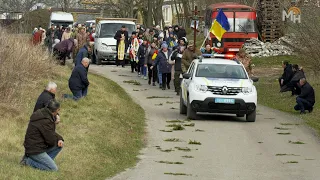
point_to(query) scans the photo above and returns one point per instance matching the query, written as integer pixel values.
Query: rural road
(230, 149)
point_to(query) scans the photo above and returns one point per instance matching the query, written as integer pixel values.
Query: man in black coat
(78, 82)
(122, 34)
(42, 144)
(293, 84)
(46, 96)
(287, 74)
(306, 100)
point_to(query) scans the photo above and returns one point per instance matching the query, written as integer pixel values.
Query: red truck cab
(242, 20)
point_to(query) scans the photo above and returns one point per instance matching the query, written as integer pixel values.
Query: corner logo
(294, 14)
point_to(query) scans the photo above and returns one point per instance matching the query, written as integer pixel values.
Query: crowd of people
(293, 79)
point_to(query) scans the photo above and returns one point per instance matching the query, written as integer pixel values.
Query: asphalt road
(230, 147)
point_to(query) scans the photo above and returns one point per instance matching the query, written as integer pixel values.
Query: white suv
(216, 85)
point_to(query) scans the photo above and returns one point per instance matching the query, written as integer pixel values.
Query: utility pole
(195, 18)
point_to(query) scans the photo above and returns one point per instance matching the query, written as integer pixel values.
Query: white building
(169, 12)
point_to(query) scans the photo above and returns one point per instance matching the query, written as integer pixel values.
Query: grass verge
(269, 69)
(102, 138)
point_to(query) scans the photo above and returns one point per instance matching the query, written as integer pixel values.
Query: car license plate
(224, 101)
(233, 49)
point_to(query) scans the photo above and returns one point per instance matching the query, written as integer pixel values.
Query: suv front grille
(230, 91)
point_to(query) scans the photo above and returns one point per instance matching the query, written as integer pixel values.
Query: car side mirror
(186, 76)
(254, 79)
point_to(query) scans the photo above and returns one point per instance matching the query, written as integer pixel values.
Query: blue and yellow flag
(220, 25)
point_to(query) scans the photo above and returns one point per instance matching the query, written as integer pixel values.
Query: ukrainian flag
(220, 25)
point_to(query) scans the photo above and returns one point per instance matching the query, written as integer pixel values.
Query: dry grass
(101, 136)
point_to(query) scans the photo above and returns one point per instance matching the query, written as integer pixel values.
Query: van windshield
(61, 24)
(108, 30)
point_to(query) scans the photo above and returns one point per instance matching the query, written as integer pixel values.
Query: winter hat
(191, 43)
(164, 45)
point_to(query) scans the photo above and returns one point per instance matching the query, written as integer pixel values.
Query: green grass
(194, 142)
(286, 155)
(175, 121)
(268, 88)
(102, 138)
(177, 174)
(281, 128)
(188, 157)
(199, 130)
(134, 82)
(169, 162)
(284, 133)
(296, 142)
(183, 149)
(173, 140)
(191, 124)
(292, 162)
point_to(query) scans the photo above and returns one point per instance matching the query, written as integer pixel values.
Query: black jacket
(307, 93)
(78, 79)
(296, 76)
(175, 56)
(44, 98)
(287, 74)
(142, 52)
(117, 37)
(41, 135)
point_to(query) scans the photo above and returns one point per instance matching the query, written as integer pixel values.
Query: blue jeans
(45, 160)
(302, 105)
(159, 75)
(77, 94)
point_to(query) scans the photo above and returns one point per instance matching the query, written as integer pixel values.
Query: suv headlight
(201, 88)
(247, 90)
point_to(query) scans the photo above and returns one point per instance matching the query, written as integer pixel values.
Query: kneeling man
(306, 99)
(42, 143)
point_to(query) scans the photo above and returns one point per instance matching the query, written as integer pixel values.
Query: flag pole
(205, 39)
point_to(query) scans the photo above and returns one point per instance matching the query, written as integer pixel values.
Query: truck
(243, 26)
(104, 42)
(61, 19)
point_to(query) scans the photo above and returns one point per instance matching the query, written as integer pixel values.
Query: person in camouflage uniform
(188, 56)
(245, 59)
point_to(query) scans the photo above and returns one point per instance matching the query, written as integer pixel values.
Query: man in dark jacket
(306, 100)
(42, 144)
(63, 49)
(149, 58)
(78, 82)
(141, 56)
(121, 34)
(46, 96)
(182, 32)
(84, 52)
(287, 74)
(293, 84)
(176, 60)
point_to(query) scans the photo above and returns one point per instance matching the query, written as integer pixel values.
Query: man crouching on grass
(42, 144)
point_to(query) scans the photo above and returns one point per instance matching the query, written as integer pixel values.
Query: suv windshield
(108, 30)
(226, 71)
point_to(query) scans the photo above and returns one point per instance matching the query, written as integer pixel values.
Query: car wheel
(251, 117)
(240, 115)
(183, 108)
(191, 114)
